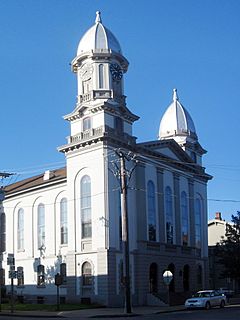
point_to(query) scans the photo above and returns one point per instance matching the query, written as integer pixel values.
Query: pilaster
(177, 208)
(141, 203)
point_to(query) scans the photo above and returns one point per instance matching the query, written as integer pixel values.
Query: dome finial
(98, 17)
(175, 96)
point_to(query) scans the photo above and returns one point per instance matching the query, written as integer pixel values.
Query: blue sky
(193, 45)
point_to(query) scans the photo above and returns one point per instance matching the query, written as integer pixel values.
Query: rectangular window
(86, 123)
(119, 125)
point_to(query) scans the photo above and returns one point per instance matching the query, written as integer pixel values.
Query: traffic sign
(20, 274)
(10, 259)
(12, 274)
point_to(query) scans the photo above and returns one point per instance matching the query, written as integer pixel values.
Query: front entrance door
(153, 278)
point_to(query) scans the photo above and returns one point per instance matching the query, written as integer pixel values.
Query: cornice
(116, 109)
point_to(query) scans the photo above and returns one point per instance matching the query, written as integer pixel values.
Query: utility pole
(125, 230)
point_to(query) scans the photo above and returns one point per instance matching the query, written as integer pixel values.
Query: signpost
(167, 278)
(58, 282)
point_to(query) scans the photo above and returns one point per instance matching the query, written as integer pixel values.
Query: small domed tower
(177, 124)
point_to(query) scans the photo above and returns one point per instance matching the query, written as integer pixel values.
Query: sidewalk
(94, 313)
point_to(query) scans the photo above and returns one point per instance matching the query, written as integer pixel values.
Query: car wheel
(207, 305)
(222, 304)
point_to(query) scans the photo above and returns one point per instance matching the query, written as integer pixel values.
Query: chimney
(48, 175)
(218, 216)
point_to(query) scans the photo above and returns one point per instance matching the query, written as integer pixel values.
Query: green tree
(228, 249)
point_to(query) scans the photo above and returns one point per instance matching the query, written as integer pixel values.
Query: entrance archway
(186, 272)
(153, 278)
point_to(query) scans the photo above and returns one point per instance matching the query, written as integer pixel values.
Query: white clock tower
(100, 66)
(100, 123)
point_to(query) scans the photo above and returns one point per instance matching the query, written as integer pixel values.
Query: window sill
(87, 286)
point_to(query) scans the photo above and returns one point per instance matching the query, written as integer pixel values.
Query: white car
(206, 299)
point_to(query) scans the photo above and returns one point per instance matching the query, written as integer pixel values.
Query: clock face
(116, 71)
(86, 72)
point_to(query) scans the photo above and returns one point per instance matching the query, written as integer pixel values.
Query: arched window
(198, 229)
(151, 211)
(101, 76)
(20, 276)
(3, 232)
(63, 221)
(86, 209)
(86, 274)
(86, 123)
(20, 229)
(184, 217)
(169, 215)
(41, 225)
(40, 275)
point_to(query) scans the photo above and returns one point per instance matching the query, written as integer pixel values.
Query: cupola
(178, 125)
(98, 37)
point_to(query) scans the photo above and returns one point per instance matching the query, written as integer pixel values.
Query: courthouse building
(69, 220)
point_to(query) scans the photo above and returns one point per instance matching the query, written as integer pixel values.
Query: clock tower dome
(100, 67)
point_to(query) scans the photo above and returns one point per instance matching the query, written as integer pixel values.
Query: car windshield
(201, 294)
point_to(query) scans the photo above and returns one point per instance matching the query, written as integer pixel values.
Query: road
(228, 313)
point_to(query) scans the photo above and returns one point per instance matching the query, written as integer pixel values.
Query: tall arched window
(101, 76)
(151, 211)
(198, 229)
(20, 229)
(41, 225)
(3, 232)
(63, 221)
(86, 274)
(184, 217)
(169, 215)
(86, 209)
